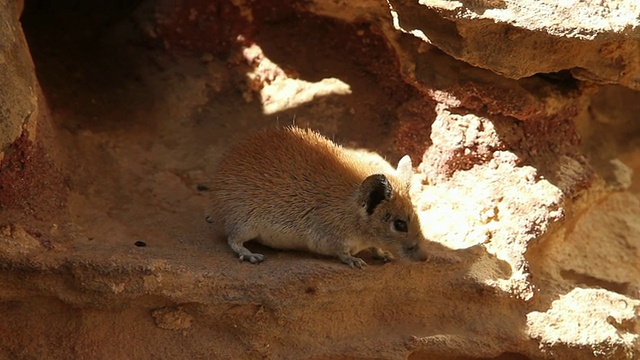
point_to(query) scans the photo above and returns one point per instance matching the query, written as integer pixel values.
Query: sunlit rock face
(520, 118)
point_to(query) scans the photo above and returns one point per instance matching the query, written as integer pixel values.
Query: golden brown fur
(292, 188)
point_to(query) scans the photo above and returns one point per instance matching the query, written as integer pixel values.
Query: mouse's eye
(400, 225)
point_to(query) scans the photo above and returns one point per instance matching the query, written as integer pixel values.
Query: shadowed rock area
(520, 116)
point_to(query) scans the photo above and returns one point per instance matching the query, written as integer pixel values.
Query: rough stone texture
(481, 195)
(596, 41)
(606, 327)
(526, 187)
(30, 180)
(18, 83)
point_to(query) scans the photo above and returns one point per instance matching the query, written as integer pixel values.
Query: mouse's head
(387, 214)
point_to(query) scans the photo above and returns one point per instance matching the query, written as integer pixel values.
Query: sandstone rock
(595, 41)
(29, 180)
(280, 92)
(18, 83)
(532, 256)
(172, 318)
(606, 321)
(577, 254)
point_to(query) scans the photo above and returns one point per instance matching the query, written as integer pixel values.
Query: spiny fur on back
(300, 154)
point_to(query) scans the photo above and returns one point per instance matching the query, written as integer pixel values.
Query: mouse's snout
(415, 252)
(420, 255)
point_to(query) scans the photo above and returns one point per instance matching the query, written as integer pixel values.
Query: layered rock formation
(521, 116)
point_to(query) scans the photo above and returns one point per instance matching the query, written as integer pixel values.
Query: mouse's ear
(404, 170)
(373, 190)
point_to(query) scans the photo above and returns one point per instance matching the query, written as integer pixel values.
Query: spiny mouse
(292, 188)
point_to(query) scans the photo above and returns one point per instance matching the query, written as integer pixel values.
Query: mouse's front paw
(252, 258)
(384, 256)
(353, 262)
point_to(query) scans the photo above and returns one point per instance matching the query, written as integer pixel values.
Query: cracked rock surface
(525, 177)
(596, 41)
